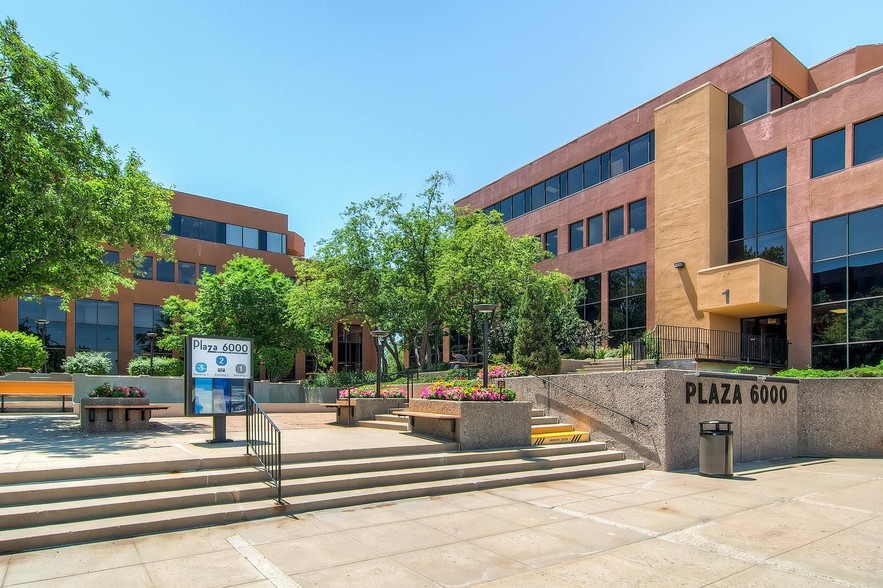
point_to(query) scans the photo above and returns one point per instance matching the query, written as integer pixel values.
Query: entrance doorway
(764, 339)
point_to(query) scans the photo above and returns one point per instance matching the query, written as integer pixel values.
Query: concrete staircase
(390, 422)
(548, 430)
(48, 508)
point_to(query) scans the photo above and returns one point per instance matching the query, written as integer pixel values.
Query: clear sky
(302, 107)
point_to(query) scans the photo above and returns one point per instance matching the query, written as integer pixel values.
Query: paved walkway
(782, 523)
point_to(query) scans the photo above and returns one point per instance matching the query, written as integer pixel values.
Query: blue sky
(302, 107)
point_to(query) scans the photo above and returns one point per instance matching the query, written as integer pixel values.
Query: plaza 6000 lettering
(727, 393)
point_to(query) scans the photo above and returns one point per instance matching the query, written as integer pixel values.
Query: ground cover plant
(864, 371)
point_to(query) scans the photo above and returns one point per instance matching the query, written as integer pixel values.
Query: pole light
(379, 337)
(41, 327)
(152, 337)
(485, 310)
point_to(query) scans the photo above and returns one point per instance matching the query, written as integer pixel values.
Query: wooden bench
(36, 388)
(411, 414)
(351, 413)
(127, 407)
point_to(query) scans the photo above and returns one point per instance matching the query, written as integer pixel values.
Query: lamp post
(485, 310)
(41, 326)
(379, 337)
(151, 336)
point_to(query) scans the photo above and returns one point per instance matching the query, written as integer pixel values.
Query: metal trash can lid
(715, 422)
(716, 427)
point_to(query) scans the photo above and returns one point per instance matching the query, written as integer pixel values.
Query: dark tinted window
(829, 280)
(637, 216)
(772, 246)
(639, 151)
(111, 257)
(615, 223)
(274, 240)
(186, 273)
(829, 238)
(592, 170)
(829, 153)
(574, 180)
(553, 190)
(552, 242)
(206, 269)
(208, 230)
(619, 160)
(144, 270)
(868, 141)
(627, 303)
(866, 275)
(757, 217)
(165, 271)
(866, 230)
(576, 236)
(537, 196)
(518, 204)
(771, 171)
(771, 211)
(190, 227)
(749, 102)
(596, 230)
(589, 308)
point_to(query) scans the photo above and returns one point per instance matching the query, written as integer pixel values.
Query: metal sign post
(219, 377)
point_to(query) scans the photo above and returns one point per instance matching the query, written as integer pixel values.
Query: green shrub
(462, 373)
(277, 361)
(95, 363)
(613, 352)
(534, 348)
(340, 379)
(742, 369)
(857, 372)
(18, 350)
(162, 366)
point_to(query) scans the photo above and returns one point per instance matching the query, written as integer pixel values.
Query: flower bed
(369, 392)
(465, 391)
(479, 425)
(107, 391)
(505, 370)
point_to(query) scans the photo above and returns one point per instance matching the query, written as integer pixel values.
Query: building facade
(209, 233)
(746, 200)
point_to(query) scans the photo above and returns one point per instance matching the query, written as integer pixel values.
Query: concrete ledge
(482, 425)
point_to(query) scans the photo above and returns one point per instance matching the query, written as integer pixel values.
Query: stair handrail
(632, 420)
(264, 439)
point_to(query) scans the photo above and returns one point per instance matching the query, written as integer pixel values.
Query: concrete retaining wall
(482, 425)
(841, 417)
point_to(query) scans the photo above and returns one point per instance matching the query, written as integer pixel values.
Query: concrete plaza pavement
(797, 522)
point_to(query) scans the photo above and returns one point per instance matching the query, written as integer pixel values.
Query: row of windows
(192, 227)
(829, 151)
(165, 271)
(619, 160)
(847, 290)
(756, 216)
(590, 231)
(757, 99)
(626, 302)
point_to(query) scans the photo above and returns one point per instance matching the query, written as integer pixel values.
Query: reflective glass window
(615, 223)
(186, 273)
(749, 102)
(637, 216)
(866, 275)
(868, 141)
(771, 171)
(829, 238)
(249, 238)
(205, 268)
(639, 151)
(605, 166)
(829, 153)
(506, 209)
(274, 240)
(596, 230)
(165, 271)
(553, 190)
(829, 280)
(619, 160)
(537, 196)
(111, 257)
(592, 171)
(829, 357)
(234, 235)
(518, 204)
(771, 211)
(551, 239)
(865, 232)
(208, 230)
(144, 270)
(574, 180)
(190, 227)
(773, 246)
(627, 302)
(865, 321)
(829, 324)
(576, 236)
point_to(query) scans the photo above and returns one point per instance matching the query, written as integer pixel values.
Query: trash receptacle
(716, 448)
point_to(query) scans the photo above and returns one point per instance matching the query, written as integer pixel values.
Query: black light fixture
(379, 336)
(41, 327)
(151, 336)
(485, 310)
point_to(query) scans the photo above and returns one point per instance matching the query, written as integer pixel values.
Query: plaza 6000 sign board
(214, 357)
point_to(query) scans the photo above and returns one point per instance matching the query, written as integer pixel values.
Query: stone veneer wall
(841, 417)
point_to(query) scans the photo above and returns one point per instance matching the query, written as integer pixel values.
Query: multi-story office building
(209, 233)
(747, 200)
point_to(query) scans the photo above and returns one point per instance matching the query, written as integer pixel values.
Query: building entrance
(764, 339)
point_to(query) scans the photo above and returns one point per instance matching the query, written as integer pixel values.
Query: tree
(247, 299)
(534, 348)
(64, 194)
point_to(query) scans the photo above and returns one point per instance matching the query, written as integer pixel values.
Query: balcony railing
(670, 342)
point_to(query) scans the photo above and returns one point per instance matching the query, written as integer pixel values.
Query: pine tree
(534, 348)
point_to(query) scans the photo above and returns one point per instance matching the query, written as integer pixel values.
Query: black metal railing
(573, 392)
(670, 342)
(264, 439)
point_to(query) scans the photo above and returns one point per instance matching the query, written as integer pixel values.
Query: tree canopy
(64, 194)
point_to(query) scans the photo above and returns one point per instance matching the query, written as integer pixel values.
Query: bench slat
(36, 388)
(428, 415)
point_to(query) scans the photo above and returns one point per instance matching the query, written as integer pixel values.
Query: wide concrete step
(537, 412)
(391, 418)
(384, 425)
(544, 420)
(562, 437)
(129, 504)
(40, 493)
(113, 527)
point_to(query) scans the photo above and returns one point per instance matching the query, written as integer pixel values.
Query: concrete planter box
(365, 409)
(482, 425)
(117, 422)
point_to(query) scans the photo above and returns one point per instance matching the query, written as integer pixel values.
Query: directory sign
(219, 375)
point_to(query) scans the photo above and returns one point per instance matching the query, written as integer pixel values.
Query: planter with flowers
(94, 419)
(363, 404)
(483, 418)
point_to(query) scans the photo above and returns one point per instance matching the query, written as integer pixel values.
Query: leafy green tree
(65, 194)
(20, 350)
(535, 350)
